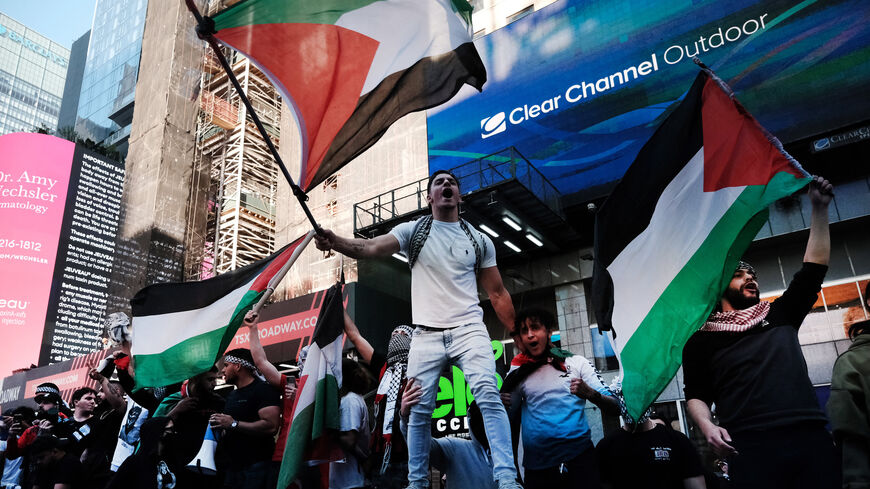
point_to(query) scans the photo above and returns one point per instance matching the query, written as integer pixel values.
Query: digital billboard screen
(578, 87)
(59, 209)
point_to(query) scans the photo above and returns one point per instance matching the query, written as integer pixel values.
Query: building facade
(386, 185)
(72, 89)
(108, 87)
(32, 73)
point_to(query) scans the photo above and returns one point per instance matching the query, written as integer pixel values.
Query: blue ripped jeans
(469, 348)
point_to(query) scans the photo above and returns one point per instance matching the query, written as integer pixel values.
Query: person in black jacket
(153, 466)
(748, 361)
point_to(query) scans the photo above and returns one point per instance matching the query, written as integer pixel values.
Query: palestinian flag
(350, 68)
(182, 329)
(316, 416)
(668, 238)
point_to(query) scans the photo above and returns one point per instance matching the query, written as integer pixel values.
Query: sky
(62, 21)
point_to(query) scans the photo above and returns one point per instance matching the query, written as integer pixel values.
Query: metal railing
(389, 205)
(475, 175)
(505, 165)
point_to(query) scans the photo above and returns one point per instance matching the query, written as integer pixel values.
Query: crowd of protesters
(744, 364)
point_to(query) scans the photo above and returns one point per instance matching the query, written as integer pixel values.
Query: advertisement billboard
(83, 269)
(59, 206)
(285, 327)
(34, 179)
(578, 87)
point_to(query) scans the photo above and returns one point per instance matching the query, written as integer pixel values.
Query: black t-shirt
(660, 458)
(67, 470)
(243, 449)
(97, 433)
(758, 378)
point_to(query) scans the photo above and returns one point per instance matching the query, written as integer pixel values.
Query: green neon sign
(455, 393)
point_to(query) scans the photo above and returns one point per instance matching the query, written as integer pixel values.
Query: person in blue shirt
(550, 387)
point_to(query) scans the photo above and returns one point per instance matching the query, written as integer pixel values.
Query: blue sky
(62, 21)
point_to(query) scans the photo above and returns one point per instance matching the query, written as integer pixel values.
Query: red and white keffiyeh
(737, 321)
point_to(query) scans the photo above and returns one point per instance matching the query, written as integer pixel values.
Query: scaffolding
(239, 176)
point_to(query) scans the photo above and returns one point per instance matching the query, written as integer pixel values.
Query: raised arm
(362, 345)
(263, 365)
(819, 244)
(490, 280)
(383, 245)
(109, 394)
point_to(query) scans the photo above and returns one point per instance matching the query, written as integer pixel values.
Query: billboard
(59, 206)
(285, 328)
(578, 87)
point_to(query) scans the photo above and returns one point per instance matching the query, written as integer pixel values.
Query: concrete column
(159, 164)
(573, 319)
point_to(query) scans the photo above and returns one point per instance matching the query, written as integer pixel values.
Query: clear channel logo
(490, 126)
(822, 144)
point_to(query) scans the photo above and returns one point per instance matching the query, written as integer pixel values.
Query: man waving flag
(350, 68)
(673, 230)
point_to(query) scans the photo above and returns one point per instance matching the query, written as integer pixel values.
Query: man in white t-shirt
(448, 260)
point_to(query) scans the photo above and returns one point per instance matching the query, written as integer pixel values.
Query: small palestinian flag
(350, 68)
(668, 238)
(316, 417)
(181, 329)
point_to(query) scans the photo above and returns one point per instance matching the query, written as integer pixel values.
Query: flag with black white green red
(182, 329)
(316, 419)
(668, 238)
(350, 68)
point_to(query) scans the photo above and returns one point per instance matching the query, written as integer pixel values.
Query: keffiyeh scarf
(523, 365)
(389, 392)
(737, 321)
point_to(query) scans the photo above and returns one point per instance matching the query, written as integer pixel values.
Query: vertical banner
(34, 180)
(79, 290)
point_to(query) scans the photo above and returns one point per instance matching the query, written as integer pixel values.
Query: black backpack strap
(418, 239)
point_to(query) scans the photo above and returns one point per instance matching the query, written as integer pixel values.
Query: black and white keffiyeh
(390, 391)
(240, 361)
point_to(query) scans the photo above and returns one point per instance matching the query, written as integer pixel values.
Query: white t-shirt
(554, 426)
(347, 474)
(128, 435)
(443, 283)
(12, 470)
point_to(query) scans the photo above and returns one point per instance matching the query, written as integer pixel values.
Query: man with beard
(748, 361)
(249, 423)
(448, 259)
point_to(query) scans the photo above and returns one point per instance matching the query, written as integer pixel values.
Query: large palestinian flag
(181, 329)
(316, 417)
(350, 68)
(668, 238)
